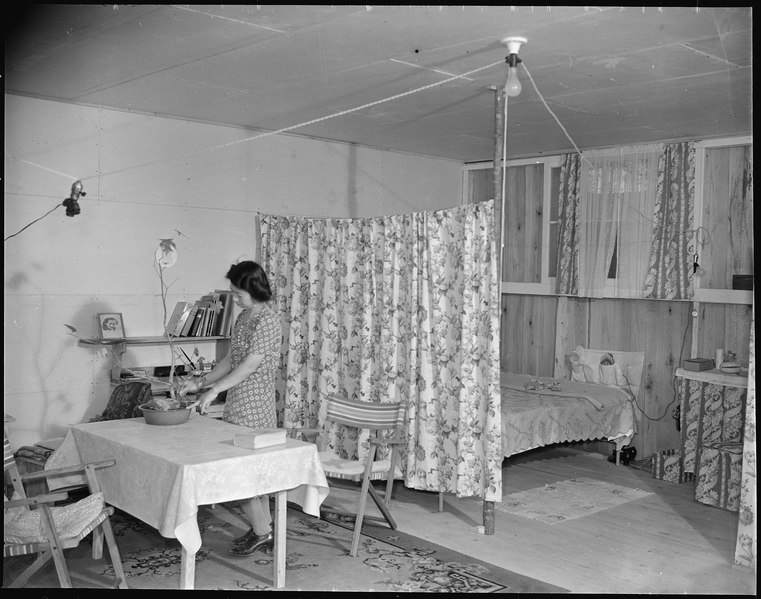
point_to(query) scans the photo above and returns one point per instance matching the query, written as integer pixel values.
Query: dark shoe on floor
(264, 542)
(244, 538)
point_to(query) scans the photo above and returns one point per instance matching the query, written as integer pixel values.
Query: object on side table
(719, 475)
(698, 364)
(730, 365)
(742, 281)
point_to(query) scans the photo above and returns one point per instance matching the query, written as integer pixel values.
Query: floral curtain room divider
(391, 307)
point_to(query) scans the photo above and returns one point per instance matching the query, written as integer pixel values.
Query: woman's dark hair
(249, 276)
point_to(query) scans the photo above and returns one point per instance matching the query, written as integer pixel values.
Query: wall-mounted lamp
(71, 203)
(513, 85)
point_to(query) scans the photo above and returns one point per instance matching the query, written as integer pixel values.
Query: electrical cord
(675, 414)
(31, 223)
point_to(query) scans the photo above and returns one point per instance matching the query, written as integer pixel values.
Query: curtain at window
(396, 307)
(668, 275)
(567, 267)
(616, 201)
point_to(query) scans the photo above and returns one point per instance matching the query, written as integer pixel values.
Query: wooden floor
(663, 543)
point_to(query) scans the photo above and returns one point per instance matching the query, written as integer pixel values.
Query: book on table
(260, 438)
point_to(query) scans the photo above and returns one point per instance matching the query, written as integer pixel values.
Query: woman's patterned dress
(252, 401)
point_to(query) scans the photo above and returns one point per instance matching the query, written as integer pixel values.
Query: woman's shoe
(264, 542)
(244, 538)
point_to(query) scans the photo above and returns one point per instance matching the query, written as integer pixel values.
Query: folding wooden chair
(386, 420)
(48, 529)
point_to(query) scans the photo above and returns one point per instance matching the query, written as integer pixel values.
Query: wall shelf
(119, 346)
(155, 340)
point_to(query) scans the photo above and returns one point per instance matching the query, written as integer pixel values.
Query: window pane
(553, 250)
(554, 220)
(480, 185)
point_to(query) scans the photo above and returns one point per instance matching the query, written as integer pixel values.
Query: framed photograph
(111, 326)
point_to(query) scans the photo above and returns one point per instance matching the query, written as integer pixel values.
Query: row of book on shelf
(210, 316)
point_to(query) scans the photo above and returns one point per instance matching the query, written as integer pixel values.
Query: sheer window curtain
(400, 306)
(616, 203)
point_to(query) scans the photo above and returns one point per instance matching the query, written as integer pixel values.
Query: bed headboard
(608, 367)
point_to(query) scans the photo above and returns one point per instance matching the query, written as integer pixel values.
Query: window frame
(546, 286)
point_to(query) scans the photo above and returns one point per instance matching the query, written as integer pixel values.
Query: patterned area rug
(317, 560)
(568, 499)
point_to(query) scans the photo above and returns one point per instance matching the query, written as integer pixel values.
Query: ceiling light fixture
(513, 85)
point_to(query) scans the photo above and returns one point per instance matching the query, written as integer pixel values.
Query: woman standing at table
(247, 373)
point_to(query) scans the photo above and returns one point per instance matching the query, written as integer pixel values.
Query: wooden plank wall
(727, 216)
(524, 191)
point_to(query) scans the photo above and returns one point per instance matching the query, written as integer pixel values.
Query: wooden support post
(499, 126)
(488, 517)
(561, 336)
(499, 140)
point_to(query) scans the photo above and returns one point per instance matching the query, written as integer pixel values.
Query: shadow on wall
(55, 358)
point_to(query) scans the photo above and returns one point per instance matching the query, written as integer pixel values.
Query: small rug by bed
(568, 499)
(317, 559)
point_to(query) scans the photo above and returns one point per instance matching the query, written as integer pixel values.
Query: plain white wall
(146, 179)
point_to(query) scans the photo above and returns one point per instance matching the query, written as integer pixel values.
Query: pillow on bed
(620, 369)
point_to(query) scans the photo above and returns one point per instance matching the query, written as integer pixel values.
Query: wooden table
(163, 473)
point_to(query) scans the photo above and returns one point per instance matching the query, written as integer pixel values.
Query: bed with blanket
(596, 403)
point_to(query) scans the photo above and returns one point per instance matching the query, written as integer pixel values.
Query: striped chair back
(7, 453)
(10, 468)
(362, 414)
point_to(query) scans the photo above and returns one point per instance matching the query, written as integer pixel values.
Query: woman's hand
(202, 403)
(191, 385)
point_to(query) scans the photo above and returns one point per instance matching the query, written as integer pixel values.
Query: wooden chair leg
(56, 550)
(97, 543)
(382, 507)
(390, 480)
(362, 503)
(27, 574)
(116, 558)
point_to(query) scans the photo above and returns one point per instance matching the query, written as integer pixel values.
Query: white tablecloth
(163, 473)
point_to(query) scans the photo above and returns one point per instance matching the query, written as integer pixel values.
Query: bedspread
(577, 412)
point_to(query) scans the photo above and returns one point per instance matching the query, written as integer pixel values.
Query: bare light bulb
(513, 85)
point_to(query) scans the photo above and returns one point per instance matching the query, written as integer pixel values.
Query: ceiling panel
(611, 75)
